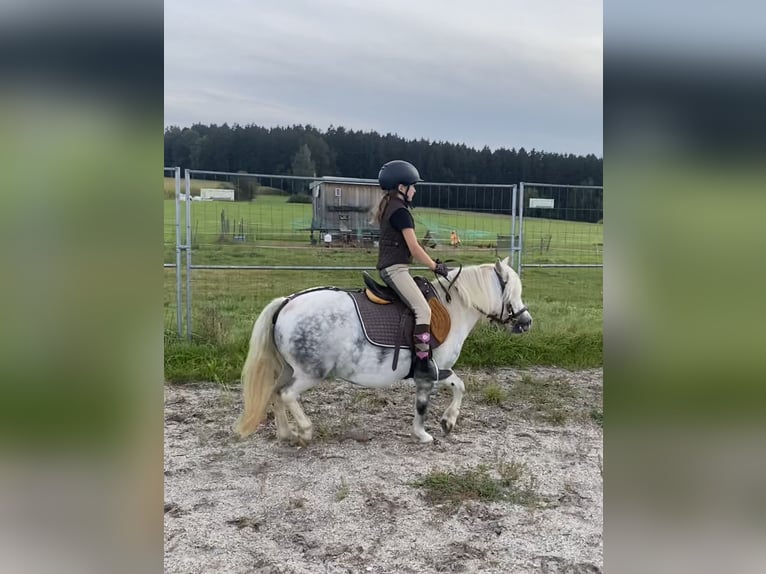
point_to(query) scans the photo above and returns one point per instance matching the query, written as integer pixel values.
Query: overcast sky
(502, 73)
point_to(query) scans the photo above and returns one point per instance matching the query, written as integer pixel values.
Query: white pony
(299, 341)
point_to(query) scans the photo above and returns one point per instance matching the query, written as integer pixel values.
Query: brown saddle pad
(392, 325)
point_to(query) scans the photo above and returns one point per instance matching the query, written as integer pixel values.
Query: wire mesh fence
(171, 244)
(562, 225)
(233, 241)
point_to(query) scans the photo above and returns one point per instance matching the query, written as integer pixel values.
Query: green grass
(169, 187)
(201, 361)
(271, 222)
(268, 218)
(566, 306)
(507, 483)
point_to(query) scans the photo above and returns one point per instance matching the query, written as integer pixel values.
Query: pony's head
(514, 315)
(495, 291)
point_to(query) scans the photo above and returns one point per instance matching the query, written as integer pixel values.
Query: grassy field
(271, 224)
(169, 186)
(268, 218)
(566, 303)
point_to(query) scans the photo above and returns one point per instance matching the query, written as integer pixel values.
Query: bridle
(513, 316)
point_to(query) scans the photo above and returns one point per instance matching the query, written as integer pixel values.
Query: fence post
(513, 226)
(178, 249)
(521, 226)
(188, 257)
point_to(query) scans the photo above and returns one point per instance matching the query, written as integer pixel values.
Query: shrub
(299, 198)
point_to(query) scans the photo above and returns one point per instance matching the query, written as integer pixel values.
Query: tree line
(308, 151)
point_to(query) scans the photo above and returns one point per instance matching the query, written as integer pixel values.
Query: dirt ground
(516, 487)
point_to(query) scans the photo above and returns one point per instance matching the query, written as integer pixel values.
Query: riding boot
(425, 367)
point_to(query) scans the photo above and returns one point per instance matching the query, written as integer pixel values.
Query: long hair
(263, 366)
(475, 286)
(382, 205)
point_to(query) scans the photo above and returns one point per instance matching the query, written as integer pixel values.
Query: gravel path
(350, 501)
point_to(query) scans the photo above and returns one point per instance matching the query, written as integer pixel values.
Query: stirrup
(428, 369)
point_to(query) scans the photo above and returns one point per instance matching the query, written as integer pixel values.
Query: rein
(447, 296)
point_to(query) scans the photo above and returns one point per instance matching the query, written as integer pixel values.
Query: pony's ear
(501, 269)
(506, 262)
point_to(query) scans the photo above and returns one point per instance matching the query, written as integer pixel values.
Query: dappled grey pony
(300, 340)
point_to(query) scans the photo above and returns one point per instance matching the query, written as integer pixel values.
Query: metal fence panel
(257, 236)
(562, 225)
(172, 242)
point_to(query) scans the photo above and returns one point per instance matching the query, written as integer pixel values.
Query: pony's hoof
(284, 437)
(424, 438)
(306, 436)
(447, 426)
(298, 441)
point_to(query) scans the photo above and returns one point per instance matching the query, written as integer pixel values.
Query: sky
(497, 73)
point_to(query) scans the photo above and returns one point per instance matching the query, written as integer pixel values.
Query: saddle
(388, 322)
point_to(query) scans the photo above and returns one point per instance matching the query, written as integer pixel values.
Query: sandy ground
(349, 502)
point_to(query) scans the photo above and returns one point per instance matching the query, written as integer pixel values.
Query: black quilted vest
(393, 249)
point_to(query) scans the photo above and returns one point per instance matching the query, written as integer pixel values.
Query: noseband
(513, 316)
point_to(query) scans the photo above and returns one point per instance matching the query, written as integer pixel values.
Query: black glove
(441, 269)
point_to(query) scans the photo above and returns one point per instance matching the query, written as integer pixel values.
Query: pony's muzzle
(521, 327)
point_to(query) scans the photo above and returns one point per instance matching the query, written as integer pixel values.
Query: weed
(493, 394)
(554, 416)
(211, 325)
(342, 491)
(510, 472)
(370, 399)
(547, 400)
(452, 488)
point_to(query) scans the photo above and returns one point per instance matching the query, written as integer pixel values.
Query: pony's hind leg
(284, 429)
(449, 418)
(290, 395)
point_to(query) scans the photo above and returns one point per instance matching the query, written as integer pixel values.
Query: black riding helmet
(397, 171)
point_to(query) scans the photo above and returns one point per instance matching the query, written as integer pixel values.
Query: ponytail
(384, 201)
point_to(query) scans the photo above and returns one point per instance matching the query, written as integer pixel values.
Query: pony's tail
(262, 368)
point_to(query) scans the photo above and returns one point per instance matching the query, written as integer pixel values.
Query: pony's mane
(476, 286)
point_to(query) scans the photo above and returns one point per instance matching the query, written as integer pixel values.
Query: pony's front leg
(423, 388)
(449, 418)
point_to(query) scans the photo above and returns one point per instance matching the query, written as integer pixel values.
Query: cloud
(482, 73)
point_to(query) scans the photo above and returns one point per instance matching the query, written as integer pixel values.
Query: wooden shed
(344, 207)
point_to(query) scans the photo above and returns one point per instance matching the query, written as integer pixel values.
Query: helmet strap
(404, 197)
